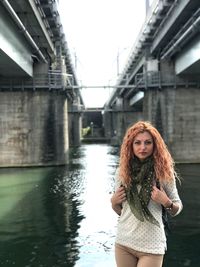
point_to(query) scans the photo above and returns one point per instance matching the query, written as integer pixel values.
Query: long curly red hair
(163, 162)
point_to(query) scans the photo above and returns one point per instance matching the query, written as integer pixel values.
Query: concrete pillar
(119, 129)
(118, 119)
(40, 68)
(74, 123)
(75, 126)
(107, 119)
(176, 114)
(33, 128)
(167, 72)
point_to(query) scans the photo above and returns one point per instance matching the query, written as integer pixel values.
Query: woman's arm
(117, 198)
(159, 196)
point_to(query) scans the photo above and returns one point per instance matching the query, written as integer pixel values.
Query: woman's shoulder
(117, 177)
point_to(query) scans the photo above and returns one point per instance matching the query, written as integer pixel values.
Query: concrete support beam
(169, 22)
(188, 60)
(15, 53)
(176, 114)
(41, 23)
(74, 129)
(33, 128)
(136, 98)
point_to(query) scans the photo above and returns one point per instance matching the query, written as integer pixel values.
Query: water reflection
(40, 218)
(56, 217)
(183, 248)
(96, 235)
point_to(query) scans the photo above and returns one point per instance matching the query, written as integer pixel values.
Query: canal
(61, 216)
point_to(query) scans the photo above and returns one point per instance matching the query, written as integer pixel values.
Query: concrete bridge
(40, 102)
(161, 79)
(37, 99)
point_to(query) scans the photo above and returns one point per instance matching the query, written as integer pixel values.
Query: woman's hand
(119, 196)
(117, 199)
(159, 196)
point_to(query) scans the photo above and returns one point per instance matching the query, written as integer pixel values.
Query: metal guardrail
(156, 79)
(49, 81)
(62, 81)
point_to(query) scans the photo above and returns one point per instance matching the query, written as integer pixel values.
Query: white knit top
(145, 236)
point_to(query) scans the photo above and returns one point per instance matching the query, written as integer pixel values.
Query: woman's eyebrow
(150, 139)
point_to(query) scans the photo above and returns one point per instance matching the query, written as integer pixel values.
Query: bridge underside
(15, 54)
(10, 68)
(188, 61)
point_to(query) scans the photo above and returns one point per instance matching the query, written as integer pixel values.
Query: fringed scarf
(139, 192)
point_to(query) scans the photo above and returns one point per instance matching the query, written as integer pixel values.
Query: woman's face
(143, 145)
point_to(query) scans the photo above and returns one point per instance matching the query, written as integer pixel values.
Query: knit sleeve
(172, 193)
(117, 181)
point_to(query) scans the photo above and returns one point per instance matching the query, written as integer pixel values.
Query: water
(61, 216)
(184, 247)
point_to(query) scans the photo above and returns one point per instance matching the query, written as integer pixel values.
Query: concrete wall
(33, 128)
(75, 126)
(176, 114)
(116, 124)
(92, 116)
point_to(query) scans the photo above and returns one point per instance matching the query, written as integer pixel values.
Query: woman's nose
(143, 145)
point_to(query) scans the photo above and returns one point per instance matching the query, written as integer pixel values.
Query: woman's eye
(148, 142)
(137, 143)
(145, 143)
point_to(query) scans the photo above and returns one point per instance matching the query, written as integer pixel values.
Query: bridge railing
(157, 79)
(149, 79)
(51, 80)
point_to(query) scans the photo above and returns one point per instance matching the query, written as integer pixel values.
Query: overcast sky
(97, 31)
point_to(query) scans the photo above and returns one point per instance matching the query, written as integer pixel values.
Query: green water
(56, 217)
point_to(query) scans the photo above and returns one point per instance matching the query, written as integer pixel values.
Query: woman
(145, 182)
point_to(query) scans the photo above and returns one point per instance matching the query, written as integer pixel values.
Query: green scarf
(143, 176)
